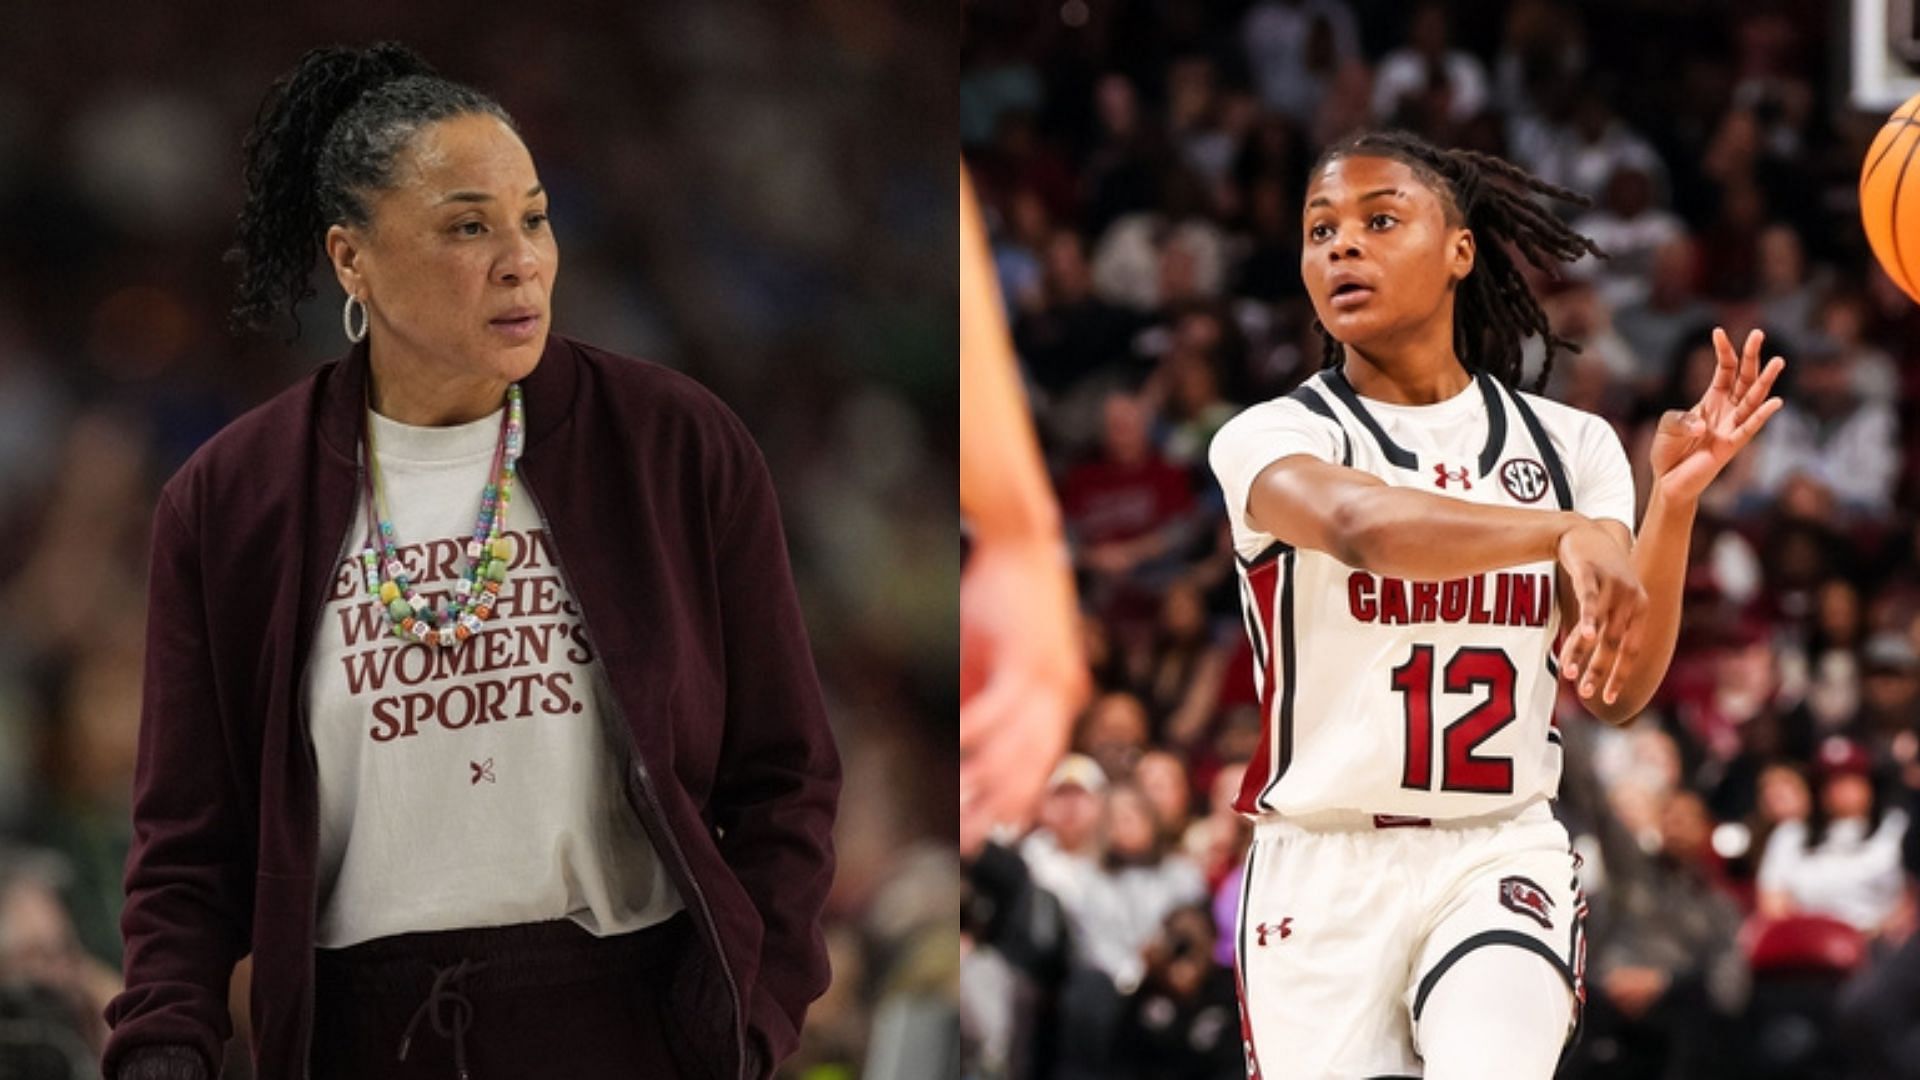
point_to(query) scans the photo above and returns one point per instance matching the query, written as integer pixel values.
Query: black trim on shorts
(1240, 957)
(1556, 472)
(1491, 937)
(1496, 423)
(1399, 455)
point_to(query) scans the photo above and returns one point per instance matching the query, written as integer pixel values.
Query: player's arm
(1400, 532)
(1689, 450)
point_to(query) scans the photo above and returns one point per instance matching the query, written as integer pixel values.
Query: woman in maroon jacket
(478, 707)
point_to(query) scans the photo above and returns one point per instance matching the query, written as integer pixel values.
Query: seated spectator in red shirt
(1130, 514)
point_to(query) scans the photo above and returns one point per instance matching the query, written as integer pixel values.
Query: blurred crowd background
(752, 193)
(1142, 167)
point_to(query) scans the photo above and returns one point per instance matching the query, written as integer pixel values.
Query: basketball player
(1414, 533)
(1019, 624)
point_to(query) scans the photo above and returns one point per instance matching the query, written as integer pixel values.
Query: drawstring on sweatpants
(447, 989)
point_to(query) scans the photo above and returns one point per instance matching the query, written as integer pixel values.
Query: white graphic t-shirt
(478, 785)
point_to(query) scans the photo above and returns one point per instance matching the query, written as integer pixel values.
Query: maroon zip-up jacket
(664, 518)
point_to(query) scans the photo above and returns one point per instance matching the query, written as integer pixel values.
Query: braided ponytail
(325, 136)
(1493, 310)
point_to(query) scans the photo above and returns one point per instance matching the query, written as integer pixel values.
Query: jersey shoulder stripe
(1399, 456)
(1556, 471)
(1496, 423)
(1306, 395)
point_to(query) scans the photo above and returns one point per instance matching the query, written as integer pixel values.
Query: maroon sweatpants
(497, 1003)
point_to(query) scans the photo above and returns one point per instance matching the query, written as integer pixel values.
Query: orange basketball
(1890, 196)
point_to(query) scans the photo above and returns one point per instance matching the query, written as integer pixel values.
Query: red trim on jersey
(1264, 582)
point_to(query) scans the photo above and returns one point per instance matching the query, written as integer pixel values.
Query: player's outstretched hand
(1690, 448)
(1020, 642)
(1599, 652)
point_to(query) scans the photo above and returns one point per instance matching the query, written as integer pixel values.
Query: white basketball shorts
(1347, 923)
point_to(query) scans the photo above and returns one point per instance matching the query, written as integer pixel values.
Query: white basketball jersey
(1428, 699)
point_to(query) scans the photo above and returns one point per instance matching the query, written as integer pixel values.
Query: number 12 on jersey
(1467, 671)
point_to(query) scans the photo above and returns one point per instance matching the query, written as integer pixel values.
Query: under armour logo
(482, 770)
(1284, 928)
(1442, 474)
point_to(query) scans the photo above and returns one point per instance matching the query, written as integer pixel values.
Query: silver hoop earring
(346, 318)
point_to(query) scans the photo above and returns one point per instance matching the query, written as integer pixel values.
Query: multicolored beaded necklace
(463, 615)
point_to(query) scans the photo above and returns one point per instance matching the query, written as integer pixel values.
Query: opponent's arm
(1019, 620)
(1689, 449)
(1364, 522)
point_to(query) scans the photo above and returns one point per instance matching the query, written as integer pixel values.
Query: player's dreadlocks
(1493, 310)
(326, 137)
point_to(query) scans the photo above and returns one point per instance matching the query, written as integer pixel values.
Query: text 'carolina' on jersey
(1502, 598)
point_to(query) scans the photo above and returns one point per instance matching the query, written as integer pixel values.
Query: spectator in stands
(1842, 323)
(1294, 48)
(1065, 848)
(1730, 243)
(1889, 716)
(1189, 379)
(1844, 860)
(1159, 256)
(1115, 733)
(1880, 1008)
(1834, 438)
(1783, 798)
(1630, 226)
(1599, 378)
(1073, 334)
(1428, 63)
(1271, 269)
(1144, 880)
(1183, 1022)
(52, 992)
(1207, 124)
(1787, 290)
(1586, 151)
(1115, 880)
(1542, 51)
(1670, 318)
(1188, 666)
(1668, 977)
(1019, 253)
(1163, 780)
(1130, 514)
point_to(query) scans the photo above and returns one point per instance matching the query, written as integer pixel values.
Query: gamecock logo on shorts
(1525, 479)
(1519, 894)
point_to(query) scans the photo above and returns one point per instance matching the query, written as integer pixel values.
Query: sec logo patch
(1525, 479)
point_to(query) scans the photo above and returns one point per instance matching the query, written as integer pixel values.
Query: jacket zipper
(652, 799)
(301, 721)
